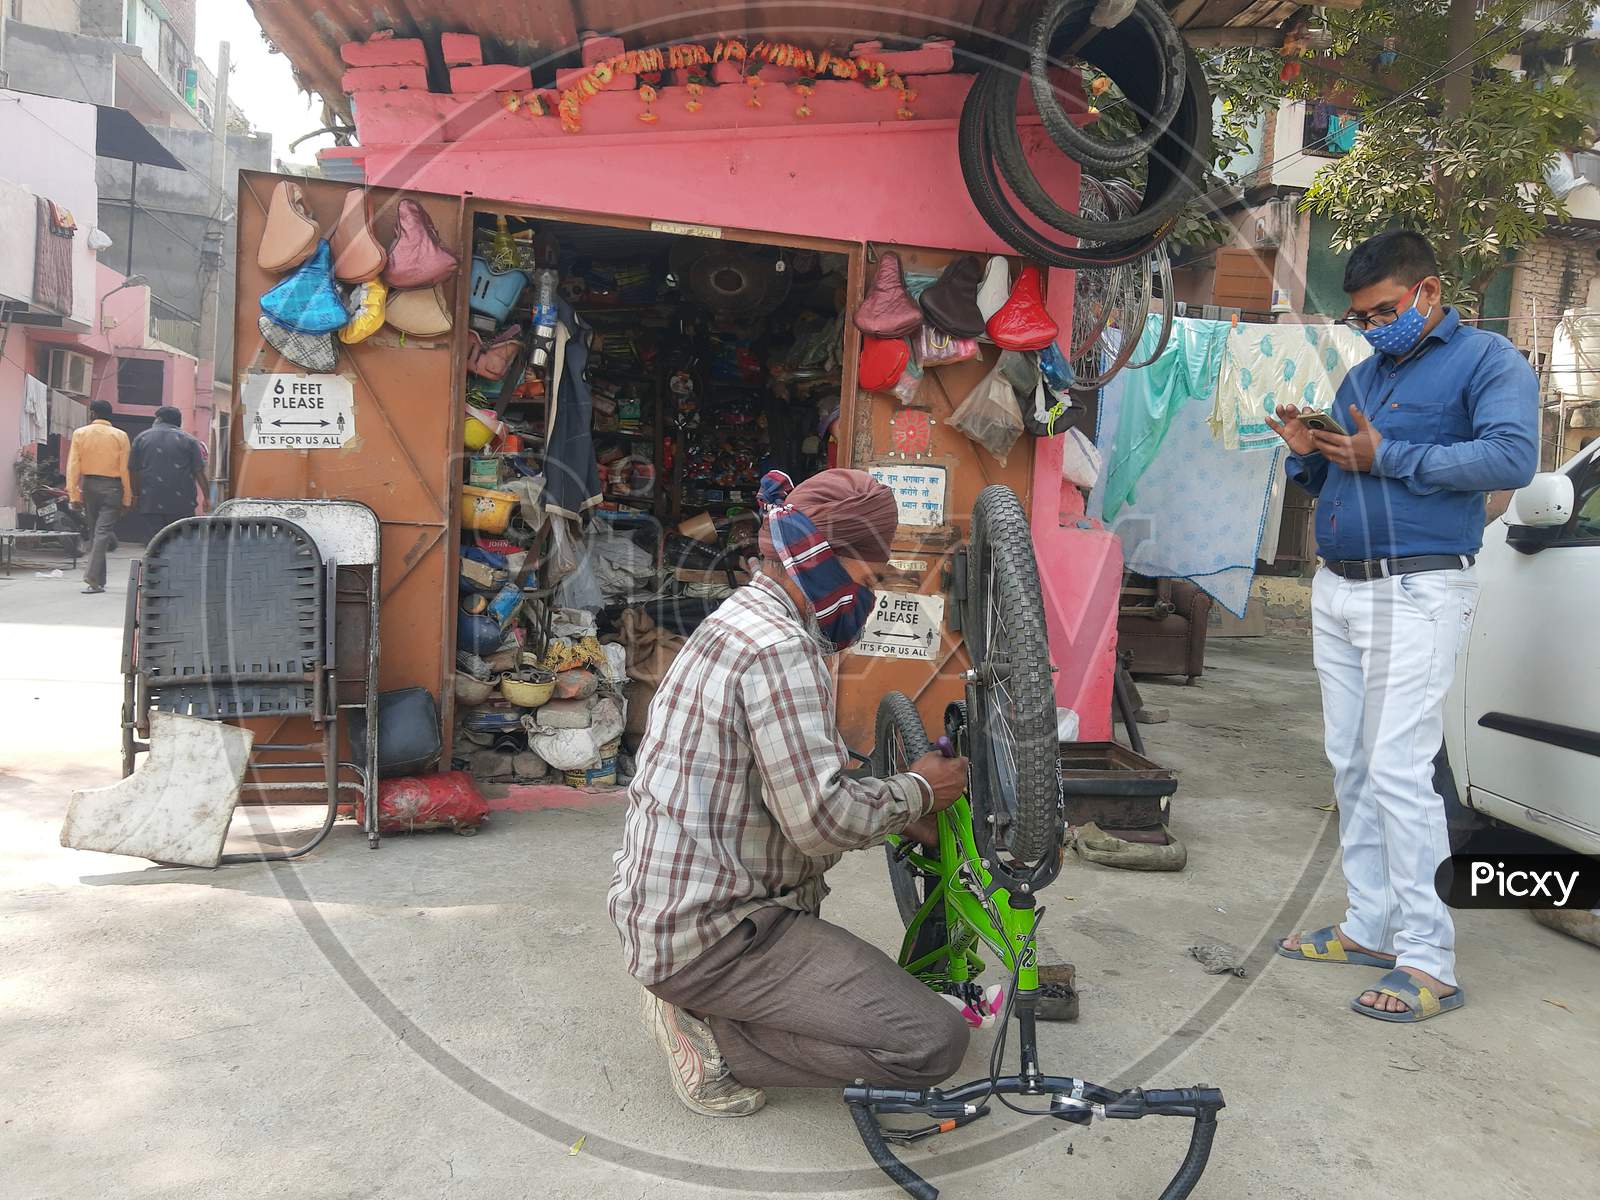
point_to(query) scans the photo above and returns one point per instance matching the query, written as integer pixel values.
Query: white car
(1522, 723)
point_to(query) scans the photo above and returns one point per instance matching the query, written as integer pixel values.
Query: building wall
(174, 210)
(47, 146)
(50, 14)
(1551, 276)
(181, 13)
(103, 18)
(53, 63)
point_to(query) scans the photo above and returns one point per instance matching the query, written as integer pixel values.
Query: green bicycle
(999, 846)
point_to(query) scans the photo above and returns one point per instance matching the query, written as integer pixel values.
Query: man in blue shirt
(1440, 415)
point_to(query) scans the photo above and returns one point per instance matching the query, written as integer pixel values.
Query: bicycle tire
(983, 186)
(1168, 304)
(897, 718)
(1003, 597)
(1172, 179)
(1163, 45)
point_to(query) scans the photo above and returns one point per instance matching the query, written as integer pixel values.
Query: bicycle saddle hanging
(951, 303)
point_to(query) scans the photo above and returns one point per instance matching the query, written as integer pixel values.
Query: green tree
(1453, 143)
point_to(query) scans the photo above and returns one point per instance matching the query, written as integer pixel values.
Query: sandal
(1324, 946)
(1418, 998)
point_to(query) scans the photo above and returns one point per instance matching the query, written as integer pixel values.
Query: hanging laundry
(34, 426)
(1264, 366)
(1187, 370)
(1342, 132)
(1201, 510)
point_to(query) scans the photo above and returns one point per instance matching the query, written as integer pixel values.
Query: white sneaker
(699, 1075)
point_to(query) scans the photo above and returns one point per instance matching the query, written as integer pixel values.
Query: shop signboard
(297, 412)
(903, 625)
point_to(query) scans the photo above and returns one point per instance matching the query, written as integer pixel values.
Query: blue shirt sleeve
(1310, 471)
(1503, 452)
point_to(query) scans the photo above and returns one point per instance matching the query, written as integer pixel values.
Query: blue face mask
(1401, 335)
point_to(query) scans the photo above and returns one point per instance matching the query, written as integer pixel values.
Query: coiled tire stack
(1158, 75)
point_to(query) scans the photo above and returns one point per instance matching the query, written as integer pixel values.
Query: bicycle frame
(985, 903)
(975, 908)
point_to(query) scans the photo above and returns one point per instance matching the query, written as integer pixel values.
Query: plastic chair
(228, 620)
(349, 535)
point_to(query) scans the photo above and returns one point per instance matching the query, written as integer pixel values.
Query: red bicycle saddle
(1022, 322)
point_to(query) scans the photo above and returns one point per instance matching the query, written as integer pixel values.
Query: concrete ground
(446, 1017)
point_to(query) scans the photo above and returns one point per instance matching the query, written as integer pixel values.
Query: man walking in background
(97, 478)
(168, 470)
(1440, 415)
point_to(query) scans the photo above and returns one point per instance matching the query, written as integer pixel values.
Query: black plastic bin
(1112, 786)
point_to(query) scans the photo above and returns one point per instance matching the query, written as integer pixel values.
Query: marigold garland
(812, 65)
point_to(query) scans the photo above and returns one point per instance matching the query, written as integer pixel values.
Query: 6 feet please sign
(297, 412)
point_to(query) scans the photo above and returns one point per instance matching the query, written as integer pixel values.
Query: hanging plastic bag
(1042, 409)
(990, 416)
(936, 348)
(565, 550)
(581, 588)
(909, 384)
(1080, 459)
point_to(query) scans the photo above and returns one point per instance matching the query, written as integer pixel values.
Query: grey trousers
(796, 1002)
(102, 507)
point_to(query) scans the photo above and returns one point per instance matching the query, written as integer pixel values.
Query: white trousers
(1385, 652)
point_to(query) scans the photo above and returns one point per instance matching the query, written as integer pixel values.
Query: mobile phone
(1323, 422)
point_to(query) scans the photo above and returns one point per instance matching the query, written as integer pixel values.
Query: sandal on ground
(1324, 946)
(1418, 998)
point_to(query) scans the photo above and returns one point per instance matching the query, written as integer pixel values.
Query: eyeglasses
(1378, 317)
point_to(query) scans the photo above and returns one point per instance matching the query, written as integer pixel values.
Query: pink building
(79, 328)
(840, 163)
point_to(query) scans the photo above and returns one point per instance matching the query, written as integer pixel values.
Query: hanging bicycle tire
(1011, 696)
(1149, 75)
(982, 178)
(1175, 169)
(900, 739)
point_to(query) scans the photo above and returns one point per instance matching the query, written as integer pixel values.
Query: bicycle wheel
(1168, 305)
(900, 740)
(1011, 712)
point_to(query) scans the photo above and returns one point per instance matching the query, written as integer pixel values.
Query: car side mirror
(1542, 509)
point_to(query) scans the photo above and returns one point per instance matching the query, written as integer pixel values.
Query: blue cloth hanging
(1187, 370)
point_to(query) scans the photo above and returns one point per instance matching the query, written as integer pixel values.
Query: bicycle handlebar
(1200, 1104)
(1194, 1162)
(872, 1135)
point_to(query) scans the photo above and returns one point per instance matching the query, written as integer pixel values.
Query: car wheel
(1461, 821)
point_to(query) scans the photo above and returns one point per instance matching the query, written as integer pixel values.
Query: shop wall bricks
(1554, 274)
(934, 57)
(466, 80)
(385, 52)
(597, 49)
(461, 49)
(621, 81)
(385, 79)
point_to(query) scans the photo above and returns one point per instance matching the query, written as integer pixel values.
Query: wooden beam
(1214, 36)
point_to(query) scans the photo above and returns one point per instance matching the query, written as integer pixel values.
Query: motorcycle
(56, 513)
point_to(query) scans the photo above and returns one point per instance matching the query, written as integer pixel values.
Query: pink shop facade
(852, 173)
